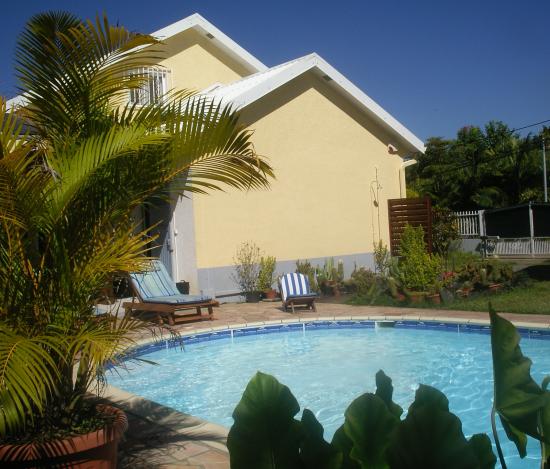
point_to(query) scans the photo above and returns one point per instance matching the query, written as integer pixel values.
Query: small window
(153, 89)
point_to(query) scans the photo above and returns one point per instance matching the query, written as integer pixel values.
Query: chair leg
(171, 319)
(159, 319)
(313, 307)
(199, 310)
(292, 306)
(210, 313)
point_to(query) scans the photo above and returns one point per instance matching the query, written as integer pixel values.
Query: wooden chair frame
(166, 311)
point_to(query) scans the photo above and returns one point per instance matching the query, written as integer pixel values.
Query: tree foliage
(480, 168)
(75, 161)
(418, 270)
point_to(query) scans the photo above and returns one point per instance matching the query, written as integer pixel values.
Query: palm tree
(75, 161)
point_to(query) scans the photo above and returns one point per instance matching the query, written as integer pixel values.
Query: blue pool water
(327, 368)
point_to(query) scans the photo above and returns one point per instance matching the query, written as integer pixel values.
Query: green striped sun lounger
(155, 292)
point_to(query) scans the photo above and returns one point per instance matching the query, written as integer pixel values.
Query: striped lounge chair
(295, 290)
(157, 293)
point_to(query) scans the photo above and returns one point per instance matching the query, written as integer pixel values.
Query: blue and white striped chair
(157, 293)
(295, 290)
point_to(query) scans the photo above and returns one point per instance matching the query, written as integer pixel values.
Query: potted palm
(75, 162)
(266, 277)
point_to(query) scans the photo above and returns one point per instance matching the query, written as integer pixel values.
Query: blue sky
(434, 65)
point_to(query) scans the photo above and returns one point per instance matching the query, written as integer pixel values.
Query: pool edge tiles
(476, 326)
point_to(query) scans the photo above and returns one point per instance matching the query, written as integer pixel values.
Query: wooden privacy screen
(416, 212)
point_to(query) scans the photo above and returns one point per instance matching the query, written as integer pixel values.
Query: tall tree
(480, 168)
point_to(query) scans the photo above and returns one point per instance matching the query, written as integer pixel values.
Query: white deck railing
(518, 247)
(470, 223)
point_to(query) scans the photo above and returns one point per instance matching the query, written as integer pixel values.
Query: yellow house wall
(325, 154)
(196, 64)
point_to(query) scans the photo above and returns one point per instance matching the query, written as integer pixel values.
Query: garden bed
(531, 298)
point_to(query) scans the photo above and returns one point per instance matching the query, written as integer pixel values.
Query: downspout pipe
(402, 184)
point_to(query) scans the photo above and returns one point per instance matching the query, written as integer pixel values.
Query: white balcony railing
(470, 223)
(518, 247)
(157, 83)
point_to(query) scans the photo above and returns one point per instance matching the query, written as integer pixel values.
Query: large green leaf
(369, 425)
(315, 452)
(265, 433)
(520, 402)
(384, 390)
(427, 396)
(430, 436)
(481, 446)
(342, 443)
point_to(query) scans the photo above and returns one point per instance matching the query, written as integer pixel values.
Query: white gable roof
(197, 22)
(264, 80)
(249, 89)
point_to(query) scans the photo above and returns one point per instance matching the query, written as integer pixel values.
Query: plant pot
(400, 297)
(417, 297)
(270, 294)
(97, 450)
(183, 287)
(252, 296)
(435, 298)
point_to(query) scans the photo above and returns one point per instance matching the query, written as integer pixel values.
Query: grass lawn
(533, 298)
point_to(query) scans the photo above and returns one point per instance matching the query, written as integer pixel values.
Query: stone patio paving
(159, 437)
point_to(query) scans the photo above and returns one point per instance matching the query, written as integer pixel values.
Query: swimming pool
(327, 365)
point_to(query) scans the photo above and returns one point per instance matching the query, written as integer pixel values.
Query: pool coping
(522, 326)
(195, 427)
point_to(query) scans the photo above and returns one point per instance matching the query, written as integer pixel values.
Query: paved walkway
(159, 437)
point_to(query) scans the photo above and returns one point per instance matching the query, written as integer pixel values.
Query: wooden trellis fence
(415, 212)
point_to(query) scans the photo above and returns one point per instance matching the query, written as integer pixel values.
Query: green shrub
(247, 267)
(265, 276)
(481, 273)
(305, 267)
(330, 276)
(418, 270)
(458, 259)
(444, 230)
(364, 281)
(382, 258)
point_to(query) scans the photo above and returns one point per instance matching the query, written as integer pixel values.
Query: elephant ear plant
(522, 405)
(267, 435)
(75, 162)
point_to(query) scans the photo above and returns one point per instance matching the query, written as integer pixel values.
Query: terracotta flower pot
(97, 450)
(435, 298)
(270, 294)
(417, 297)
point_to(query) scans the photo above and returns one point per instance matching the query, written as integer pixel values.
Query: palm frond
(28, 373)
(210, 146)
(73, 72)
